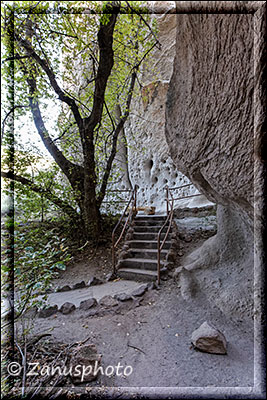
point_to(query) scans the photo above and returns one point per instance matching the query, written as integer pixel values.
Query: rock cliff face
(209, 130)
(149, 163)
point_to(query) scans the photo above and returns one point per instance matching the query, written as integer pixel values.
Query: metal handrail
(180, 187)
(169, 203)
(169, 218)
(187, 197)
(129, 218)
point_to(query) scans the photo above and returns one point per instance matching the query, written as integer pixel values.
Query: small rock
(67, 308)
(129, 236)
(208, 339)
(171, 256)
(65, 288)
(95, 281)
(85, 356)
(79, 285)
(180, 253)
(110, 277)
(92, 313)
(124, 254)
(169, 265)
(188, 239)
(108, 301)
(177, 271)
(122, 297)
(151, 286)
(140, 290)
(31, 312)
(47, 312)
(86, 304)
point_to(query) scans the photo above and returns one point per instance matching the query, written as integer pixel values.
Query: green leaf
(59, 265)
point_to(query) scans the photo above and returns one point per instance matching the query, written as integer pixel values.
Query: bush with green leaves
(40, 253)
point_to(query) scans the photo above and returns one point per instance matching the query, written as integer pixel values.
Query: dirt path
(153, 337)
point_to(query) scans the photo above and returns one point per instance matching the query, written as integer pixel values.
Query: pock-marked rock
(47, 312)
(87, 357)
(87, 304)
(79, 285)
(108, 301)
(67, 308)
(209, 339)
(140, 290)
(123, 297)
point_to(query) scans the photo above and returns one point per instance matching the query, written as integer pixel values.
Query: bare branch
(119, 127)
(64, 132)
(65, 34)
(144, 21)
(15, 57)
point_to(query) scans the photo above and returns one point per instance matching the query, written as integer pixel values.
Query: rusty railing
(131, 205)
(169, 207)
(184, 197)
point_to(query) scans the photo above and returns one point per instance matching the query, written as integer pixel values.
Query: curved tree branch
(10, 113)
(52, 79)
(63, 205)
(73, 171)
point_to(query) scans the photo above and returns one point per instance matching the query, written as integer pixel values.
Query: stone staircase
(138, 258)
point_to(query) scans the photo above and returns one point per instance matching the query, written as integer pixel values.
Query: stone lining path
(98, 292)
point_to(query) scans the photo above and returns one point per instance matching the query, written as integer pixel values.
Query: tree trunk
(91, 217)
(90, 208)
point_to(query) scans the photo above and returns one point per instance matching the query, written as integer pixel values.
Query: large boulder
(209, 130)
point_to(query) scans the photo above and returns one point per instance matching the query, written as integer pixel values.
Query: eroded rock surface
(209, 130)
(149, 163)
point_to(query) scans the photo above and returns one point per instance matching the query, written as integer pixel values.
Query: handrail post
(167, 198)
(113, 254)
(131, 205)
(135, 197)
(158, 277)
(169, 221)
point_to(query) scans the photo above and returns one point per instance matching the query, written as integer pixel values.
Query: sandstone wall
(149, 163)
(209, 106)
(209, 130)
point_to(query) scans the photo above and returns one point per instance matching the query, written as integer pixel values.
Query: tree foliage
(84, 58)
